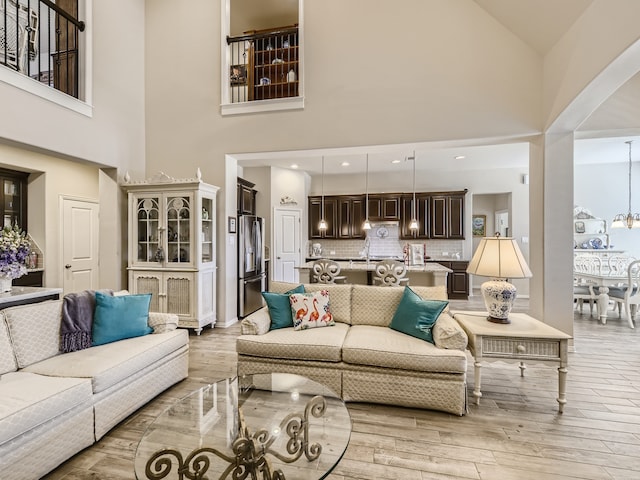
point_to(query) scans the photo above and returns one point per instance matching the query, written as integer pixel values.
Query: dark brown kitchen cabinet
(457, 280)
(456, 216)
(351, 215)
(447, 216)
(384, 207)
(246, 197)
(423, 211)
(330, 216)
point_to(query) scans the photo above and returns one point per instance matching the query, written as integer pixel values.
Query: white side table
(525, 338)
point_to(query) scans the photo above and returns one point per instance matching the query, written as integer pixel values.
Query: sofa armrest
(162, 322)
(257, 323)
(447, 333)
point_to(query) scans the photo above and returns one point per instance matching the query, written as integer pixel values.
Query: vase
(5, 284)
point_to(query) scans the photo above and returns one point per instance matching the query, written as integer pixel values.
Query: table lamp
(499, 258)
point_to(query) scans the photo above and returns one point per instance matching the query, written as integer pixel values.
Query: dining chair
(583, 290)
(618, 264)
(327, 271)
(629, 295)
(390, 273)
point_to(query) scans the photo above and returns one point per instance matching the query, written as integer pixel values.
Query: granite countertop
(363, 266)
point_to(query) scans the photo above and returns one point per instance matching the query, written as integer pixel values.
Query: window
(262, 56)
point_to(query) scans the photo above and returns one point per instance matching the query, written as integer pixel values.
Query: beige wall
(51, 178)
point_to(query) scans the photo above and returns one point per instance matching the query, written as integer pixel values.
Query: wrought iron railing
(40, 39)
(264, 65)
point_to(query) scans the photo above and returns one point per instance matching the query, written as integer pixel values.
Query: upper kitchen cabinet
(351, 215)
(246, 197)
(423, 211)
(447, 215)
(13, 198)
(384, 207)
(330, 216)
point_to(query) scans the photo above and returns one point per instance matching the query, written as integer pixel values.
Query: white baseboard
(226, 324)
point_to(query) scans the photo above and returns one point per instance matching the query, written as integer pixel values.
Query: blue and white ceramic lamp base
(499, 296)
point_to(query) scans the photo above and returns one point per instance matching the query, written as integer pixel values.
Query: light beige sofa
(53, 405)
(361, 358)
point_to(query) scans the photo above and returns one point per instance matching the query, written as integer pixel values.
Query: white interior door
(79, 245)
(287, 245)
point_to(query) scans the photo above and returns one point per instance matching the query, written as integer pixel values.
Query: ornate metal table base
(249, 449)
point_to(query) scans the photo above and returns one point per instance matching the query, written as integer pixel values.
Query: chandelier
(629, 220)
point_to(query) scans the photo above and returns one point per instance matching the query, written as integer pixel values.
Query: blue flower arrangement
(14, 252)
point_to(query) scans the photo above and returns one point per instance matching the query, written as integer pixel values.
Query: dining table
(603, 282)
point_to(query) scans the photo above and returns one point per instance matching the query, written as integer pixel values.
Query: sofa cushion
(311, 310)
(447, 333)
(111, 363)
(28, 400)
(383, 347)
(34, 331)
(375, 305)
(415, 316)
(162, 322)
(281, 287)
(280, 307)
(340, 299)
(7, 360)
(323, 344)
(117, 318)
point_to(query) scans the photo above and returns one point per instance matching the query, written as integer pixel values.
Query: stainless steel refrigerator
(251, 268)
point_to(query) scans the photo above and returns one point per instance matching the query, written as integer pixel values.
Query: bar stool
(390, 273)
(327, 271)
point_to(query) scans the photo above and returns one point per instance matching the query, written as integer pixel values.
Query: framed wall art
(479, 225)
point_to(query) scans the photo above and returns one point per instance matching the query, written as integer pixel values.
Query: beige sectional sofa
(360, 357)
(53, 405)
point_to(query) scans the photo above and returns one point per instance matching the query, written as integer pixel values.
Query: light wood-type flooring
(515, 434)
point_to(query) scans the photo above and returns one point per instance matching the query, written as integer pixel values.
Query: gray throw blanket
(77, 320)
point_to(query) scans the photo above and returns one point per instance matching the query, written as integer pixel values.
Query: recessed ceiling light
(345, 164)
(294, 165)
(460, 157)
(395, 161)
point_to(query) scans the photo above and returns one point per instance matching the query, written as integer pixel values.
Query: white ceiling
(540, 24)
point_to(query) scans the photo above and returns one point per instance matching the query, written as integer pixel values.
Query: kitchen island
(362, 272)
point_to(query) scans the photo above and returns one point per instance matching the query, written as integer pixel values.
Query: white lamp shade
(499, 257)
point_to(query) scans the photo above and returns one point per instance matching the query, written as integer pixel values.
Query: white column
(551, 234)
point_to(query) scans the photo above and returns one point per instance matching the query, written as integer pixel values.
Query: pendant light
(367, 224)
(413, 225)
(630, 220)
(323, 223)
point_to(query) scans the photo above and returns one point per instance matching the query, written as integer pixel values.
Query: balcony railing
(40, 39)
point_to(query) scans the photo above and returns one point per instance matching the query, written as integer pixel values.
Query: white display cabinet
(172, 246)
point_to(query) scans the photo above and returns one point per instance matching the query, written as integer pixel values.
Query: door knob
(67, 266)
(278, 258)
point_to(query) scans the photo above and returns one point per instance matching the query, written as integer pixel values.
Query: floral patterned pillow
(311, 310)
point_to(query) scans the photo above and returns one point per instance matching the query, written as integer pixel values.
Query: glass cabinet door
(12, 204)
(206, 236)
(148, 229)
(179, 216)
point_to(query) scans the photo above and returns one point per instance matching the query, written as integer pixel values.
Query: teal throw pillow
(415, 316)
(280, 308)
(117, 318)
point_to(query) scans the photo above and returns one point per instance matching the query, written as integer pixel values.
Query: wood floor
(515, 434)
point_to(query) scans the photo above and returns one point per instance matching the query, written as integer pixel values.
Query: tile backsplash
(389, 245)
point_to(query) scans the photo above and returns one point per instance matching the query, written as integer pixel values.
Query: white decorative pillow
(311, 310)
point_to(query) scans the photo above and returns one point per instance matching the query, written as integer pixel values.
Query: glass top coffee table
(256, 427)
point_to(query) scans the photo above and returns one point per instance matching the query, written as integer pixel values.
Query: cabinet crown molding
(160, 178)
